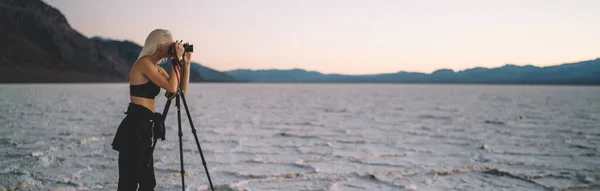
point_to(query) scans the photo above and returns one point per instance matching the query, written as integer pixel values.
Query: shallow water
(313, 137)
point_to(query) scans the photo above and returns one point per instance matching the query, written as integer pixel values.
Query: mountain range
(39, 45)
(584, 72)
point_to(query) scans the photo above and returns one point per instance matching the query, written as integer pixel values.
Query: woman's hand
(188, 56)
(179, 49)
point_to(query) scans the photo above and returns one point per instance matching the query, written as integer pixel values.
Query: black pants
(133, 140)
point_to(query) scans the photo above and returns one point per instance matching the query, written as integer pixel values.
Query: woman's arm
(185, 76)
(163, 72)
(149, 70)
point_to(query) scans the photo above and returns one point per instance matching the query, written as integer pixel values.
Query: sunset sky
(354, 36)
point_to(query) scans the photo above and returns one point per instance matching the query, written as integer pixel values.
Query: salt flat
(314, 137)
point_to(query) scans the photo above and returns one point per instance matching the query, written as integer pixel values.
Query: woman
(134, 135)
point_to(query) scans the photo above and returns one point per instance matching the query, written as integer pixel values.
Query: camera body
(186, 48)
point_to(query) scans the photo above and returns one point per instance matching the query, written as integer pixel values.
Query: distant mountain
(295, 75)
(38, 45)
(585, 72)
(211, 75)
(127, 50)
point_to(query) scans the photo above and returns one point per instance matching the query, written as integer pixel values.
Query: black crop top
(147, 90)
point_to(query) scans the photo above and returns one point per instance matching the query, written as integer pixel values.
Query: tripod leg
(166, 110)
(196, 137)
(180, 143)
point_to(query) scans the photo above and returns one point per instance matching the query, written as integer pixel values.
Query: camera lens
(189, 48)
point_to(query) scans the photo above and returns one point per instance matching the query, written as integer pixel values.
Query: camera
(186, 48)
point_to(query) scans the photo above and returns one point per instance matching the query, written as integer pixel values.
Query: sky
(354, 36)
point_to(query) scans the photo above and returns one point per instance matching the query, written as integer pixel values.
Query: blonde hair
(156, 37)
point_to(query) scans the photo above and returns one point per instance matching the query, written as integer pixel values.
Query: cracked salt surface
(314, 137)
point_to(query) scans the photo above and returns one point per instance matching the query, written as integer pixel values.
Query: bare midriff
(148, 103)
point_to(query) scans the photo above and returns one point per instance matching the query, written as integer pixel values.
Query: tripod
(180, 96)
